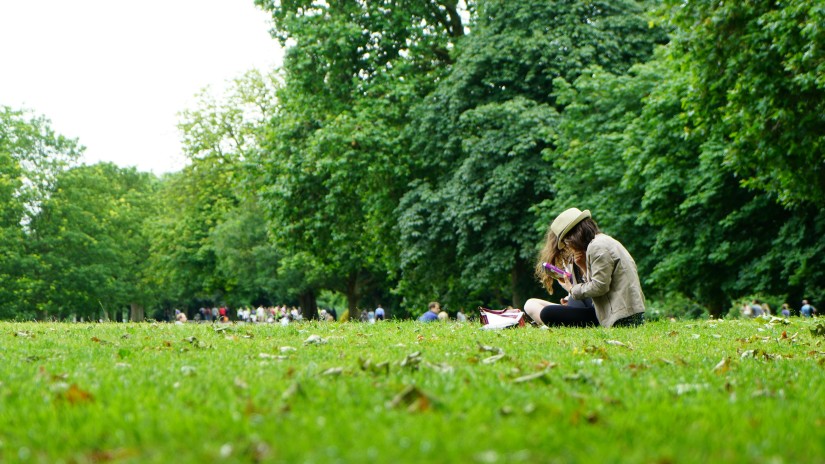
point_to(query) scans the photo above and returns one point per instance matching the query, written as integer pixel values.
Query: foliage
(210, 242)
(90, 240)
(756, 72)
(334, 163)
(481, 135)
(261, 393)
(31, 157)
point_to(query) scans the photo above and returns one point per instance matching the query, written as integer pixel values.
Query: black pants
(575, 314)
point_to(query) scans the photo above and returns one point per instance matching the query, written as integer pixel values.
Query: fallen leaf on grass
(722, 366)
(490, 349)
(271, 356)
(637, 367)
(187, 370)
(120, 454)
(285, 349)
(293, 390)
(818, 330)
(412, 360)
(379, 368)
(23, 334)
(618, 343)
(577, 377)
(492, 359)
(412, 399)
(599, 351)
(333, 371)
(758, 353)
(314, 340)
(684, 388)
(443, 368)
(541, 375)
(75, 395)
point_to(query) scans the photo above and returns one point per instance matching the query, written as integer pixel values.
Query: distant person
(460, 316)
(443, 316)
(364, 317)
(379, 313)
(333, 313)
(608, 276)
(767, 308)
(807, 310)
(786, 310)
(756, 308)
(432, 312)
(746, 310)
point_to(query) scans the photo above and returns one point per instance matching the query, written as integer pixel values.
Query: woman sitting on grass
(601, 269)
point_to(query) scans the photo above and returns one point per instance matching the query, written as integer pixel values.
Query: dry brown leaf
(722, 366)
(75, 395)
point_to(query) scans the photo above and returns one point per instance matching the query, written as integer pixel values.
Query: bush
(675, 305)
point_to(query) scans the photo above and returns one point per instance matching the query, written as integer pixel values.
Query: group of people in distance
(758, 308)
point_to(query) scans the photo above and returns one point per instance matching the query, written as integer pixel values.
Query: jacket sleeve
(600, 263)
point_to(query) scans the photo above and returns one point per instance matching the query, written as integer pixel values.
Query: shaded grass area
(668, 392)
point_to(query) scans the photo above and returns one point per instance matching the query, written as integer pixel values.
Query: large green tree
(90, 237)
(480, 138)
(207, 220)
(756, 69)
(31, 157)
(336, 163)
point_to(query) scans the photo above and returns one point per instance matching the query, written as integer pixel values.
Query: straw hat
(565, 221)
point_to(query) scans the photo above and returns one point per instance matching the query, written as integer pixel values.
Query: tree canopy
(415, 151)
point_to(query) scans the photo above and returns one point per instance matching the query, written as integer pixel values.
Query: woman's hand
(563, 301)
(565, 283)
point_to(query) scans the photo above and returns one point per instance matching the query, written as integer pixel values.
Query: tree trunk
(309, 305)
(352, 297)
(136, 313)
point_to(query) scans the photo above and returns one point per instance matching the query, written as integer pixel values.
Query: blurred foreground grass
(668, 392)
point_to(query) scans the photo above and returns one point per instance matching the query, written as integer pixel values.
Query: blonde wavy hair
(550, 253)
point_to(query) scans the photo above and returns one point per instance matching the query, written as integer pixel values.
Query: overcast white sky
(115, 73)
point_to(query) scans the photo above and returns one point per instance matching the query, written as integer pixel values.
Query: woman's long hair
(550, 253)
(578, 238)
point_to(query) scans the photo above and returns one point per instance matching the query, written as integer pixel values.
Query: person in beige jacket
(607, 275)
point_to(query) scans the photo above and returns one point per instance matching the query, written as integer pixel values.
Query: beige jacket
(611, 280)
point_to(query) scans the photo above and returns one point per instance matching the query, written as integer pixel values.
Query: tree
(335, 164)
(208, 204)
(757, 89)
(31, 156)
(482, 133)
(90, 235)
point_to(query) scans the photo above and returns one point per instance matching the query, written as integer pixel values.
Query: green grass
(152, 393)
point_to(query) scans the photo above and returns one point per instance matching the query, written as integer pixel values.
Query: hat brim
(582, 216)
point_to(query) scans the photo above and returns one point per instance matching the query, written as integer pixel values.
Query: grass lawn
(394, 392)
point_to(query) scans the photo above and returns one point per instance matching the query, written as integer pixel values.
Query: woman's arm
(601, 265)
